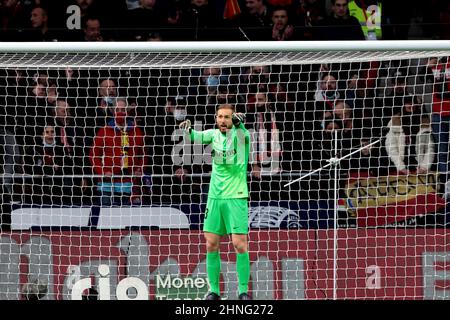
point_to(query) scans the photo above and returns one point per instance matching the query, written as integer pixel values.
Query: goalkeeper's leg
(213, 228)
(236, 217)
(213, 261)
(242, 261)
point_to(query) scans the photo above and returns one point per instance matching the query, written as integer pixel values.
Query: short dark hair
(225, 106)
(89, 17)
(333, 2)
(106, 79)
(278, 8)
(45, 9)
(412, 99)
(332, 119)
(328, 73)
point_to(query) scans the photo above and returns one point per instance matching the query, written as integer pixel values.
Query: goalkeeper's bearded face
(224, 119)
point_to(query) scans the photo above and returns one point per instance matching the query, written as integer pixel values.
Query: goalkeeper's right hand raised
(238, 118)
(186, 126)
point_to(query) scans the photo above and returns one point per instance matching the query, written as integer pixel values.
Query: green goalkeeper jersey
(230, 153)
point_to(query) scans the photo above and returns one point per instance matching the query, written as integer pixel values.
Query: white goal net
(103, 198)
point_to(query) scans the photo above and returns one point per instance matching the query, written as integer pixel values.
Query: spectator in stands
(409, 142)
(396, 82)
(282, 27)
(424, 81)
(339, 25)
(174, 158)
(372, 160)
(210, 80)
(51, 94)
(259, 75)
(267, 148)
(369, 15)
(86, 7)
(103, 113)
(68, 84)
(309, 14)
(35, 109)
(90, 98)
(326, 93)
(346, 75)
(147, 18)
(65, 130)
(13, 19)
(326, 138)
(40, 27)
(253, 79)
(255, 20)
(289, 112)
(40, 87)
(118, 156)
(105, 19)
(391, 97)
(50, 163)
(70, 137)
(196, 22)
(267, 139)
(441, 115)
(343, 111)
(344, 114)
(324, 148)
(92, 29)
(107, 90)
(316, 107)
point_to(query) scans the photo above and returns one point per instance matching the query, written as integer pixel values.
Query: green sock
(243, 271)
(213, 271)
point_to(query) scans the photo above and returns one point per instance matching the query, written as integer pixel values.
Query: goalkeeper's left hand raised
(238, 118)
(186, 126)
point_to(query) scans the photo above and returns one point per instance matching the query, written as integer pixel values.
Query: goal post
(103, 198)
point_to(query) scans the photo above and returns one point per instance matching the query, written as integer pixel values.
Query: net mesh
(103, 198)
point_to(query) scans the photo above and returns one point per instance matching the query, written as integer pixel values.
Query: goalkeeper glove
(238, 118)
(186, 126)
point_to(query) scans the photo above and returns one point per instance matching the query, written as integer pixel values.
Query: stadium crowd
(219, 20)
(111, 137)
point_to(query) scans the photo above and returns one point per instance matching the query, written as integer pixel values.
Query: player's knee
(240, 246)
(212, 246)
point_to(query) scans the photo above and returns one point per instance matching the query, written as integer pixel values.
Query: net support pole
(330, 163)
(335, 216)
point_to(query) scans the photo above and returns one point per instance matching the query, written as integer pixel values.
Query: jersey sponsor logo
(221, 154)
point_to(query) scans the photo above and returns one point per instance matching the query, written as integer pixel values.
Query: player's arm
(204, 137)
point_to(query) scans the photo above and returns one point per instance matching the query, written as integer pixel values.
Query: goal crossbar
(232, 46)
(195, 54)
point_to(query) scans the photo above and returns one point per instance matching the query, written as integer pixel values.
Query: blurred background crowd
(84, 136)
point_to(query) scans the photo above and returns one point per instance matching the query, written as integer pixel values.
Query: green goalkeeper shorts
(228, 216)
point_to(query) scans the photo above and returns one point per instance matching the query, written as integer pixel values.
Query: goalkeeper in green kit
(226, 208)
